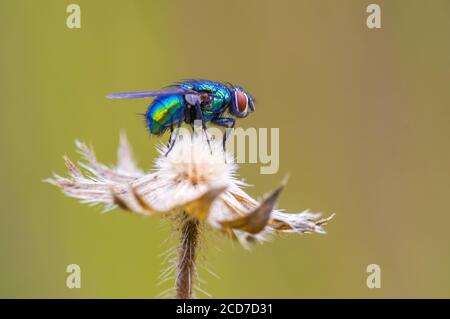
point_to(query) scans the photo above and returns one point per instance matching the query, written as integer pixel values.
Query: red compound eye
(242, 100)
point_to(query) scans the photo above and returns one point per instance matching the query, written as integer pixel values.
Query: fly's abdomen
(164, 112)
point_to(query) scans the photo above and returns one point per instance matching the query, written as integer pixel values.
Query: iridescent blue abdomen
(164, 112)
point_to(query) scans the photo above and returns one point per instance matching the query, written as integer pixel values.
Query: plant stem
(186, 270)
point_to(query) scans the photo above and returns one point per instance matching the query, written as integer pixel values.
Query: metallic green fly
(190, 100)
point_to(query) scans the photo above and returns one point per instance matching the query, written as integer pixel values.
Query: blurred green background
(364, 125)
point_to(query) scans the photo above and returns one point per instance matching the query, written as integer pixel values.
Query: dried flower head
(195, 181)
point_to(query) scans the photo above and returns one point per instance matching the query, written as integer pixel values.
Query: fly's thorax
(219, 95)
(221, 99)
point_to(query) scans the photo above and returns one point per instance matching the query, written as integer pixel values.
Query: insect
(190, 100)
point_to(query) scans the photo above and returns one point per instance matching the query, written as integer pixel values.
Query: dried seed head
(195, 178)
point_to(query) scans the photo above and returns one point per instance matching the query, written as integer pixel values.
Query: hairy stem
(186, 270)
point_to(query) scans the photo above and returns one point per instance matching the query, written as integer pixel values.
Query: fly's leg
(199, 115)
(188, 116)
(172, 142)
(228, 123)
(169, 142)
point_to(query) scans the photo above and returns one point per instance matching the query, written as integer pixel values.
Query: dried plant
(197, 184)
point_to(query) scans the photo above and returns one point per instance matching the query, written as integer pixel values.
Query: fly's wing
(144, 94)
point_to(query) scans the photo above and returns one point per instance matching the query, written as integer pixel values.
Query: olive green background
(364, 125)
